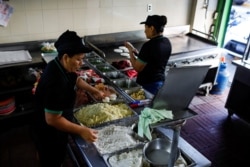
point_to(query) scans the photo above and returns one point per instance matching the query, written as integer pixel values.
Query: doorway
(238, 31)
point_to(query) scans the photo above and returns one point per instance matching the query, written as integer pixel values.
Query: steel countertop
(183, 46)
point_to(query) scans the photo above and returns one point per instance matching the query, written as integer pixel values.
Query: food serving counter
(92, 158)
(187, 50)
(182, 93)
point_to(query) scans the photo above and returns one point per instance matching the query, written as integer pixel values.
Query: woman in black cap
(151, 61)
(54, 101)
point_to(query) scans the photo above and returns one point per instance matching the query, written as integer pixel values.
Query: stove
(187, 50)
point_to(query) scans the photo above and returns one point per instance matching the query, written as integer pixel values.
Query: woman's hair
(70, 43)
(158, 21)
(162, 22)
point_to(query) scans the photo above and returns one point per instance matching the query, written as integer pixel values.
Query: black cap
(156, 21)
(69, 42)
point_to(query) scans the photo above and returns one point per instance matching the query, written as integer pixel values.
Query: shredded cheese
(98, 113)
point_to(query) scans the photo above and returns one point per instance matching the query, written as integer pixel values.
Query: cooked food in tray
(121, 65)
(114, 75)
(96, 61)
(90, 76)
(138, 94)
(114, 137)
(48, 47)
(82, 98)
(109, 92)
(105, 68)
(98, 113)
(132, 158)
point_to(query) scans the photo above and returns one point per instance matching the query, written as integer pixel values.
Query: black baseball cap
(69, 42)
(156, 21)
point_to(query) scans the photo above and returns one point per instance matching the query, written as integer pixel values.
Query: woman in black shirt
(151, 61)
(55, 98)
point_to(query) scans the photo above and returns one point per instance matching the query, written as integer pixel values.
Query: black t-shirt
(155, 53)
(55, 92)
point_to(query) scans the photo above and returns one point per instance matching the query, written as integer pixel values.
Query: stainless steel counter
(183, 47)
(93, 158)
(91, 155)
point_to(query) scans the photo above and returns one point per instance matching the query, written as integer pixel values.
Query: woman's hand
(88, 134)
(129, 46)
(81, 84)
(99, 95)
(59, 122)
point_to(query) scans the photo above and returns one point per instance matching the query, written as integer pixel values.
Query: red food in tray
(90, 76)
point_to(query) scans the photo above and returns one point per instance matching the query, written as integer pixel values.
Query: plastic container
(222, 79)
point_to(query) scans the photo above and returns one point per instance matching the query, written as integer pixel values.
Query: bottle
(222, 78)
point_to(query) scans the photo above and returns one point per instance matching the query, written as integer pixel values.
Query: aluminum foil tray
(114, 146)
(134, 117)
(139, 158)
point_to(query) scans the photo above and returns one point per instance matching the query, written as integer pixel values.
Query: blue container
(222, 80)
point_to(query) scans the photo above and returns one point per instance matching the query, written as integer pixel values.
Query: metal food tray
(134, 135)
(106, 157)
(91, 54)
(47, 57)
(122, 121)
(95, 60)
(91, 100)
(119, 98)
(190, 162)
(112, 75)
(126, 84)
(158, 134)
(147, 94)
(105, 68)
(92, 155)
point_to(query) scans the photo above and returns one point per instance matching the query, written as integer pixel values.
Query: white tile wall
(47, 19)
(203, 18)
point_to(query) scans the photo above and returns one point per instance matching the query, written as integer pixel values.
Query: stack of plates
(7, 106)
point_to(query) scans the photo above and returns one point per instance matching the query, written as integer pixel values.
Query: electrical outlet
(149, 8)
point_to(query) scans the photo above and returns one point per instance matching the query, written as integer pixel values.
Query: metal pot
(157, 152)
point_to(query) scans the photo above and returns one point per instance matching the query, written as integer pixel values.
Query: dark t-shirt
(55, 92)
(155, 53)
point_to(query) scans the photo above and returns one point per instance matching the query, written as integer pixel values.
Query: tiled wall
(203, 16)
(47, 19)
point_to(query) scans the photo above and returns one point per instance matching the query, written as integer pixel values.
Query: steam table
(93, 159)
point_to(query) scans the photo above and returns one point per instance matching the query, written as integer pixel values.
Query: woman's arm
(137, 65)
(81, 84)
(61, 123)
